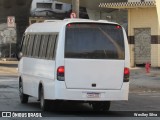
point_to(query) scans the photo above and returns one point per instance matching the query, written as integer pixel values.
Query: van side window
(43, 47)
(30, 45)
(51, 47)
(39, 46)
(36, 47)
(25, 45)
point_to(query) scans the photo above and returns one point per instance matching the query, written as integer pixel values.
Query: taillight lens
(126, 75)
(60, 73)
(118, 27)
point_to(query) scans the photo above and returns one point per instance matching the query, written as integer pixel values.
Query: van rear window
(94, 41)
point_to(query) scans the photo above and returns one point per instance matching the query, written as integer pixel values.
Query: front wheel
(101, 106)
(23, 97)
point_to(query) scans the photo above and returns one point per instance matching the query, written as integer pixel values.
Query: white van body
(85, 79)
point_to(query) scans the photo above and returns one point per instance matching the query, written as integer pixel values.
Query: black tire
(101, 106)
(23, 97)
(44, 104)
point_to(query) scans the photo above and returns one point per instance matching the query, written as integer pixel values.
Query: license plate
(93, 95)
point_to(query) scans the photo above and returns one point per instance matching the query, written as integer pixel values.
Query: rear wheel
(101, 106)
(43, 103)
(23, 97)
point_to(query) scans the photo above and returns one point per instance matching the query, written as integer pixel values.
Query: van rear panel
(94, 56)
(93, 74)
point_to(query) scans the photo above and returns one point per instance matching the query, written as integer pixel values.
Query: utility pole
(75, 7)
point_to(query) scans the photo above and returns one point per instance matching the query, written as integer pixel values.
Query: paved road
(138, 101)
(142, 81)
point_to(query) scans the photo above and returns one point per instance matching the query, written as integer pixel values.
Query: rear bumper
(62, 93)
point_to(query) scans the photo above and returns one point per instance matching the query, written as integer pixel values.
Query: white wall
(97, 15)
(158, 10)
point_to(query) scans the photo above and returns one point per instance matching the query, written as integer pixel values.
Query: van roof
(58, 25)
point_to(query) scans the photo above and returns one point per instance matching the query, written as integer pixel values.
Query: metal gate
(142, 45)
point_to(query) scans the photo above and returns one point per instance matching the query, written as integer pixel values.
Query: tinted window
(51, 47)
(59, 6)
(43, 47)
(40, 46)
(25, 45)
(94, 41)
(30, 45)
(37, 45)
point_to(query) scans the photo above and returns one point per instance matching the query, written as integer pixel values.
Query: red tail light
(60, 69)
(126, 71)
(60, 73)
(69, 25)
(118, 27)
(126, 75)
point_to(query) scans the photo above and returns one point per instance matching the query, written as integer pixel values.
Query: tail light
(126, 75)
(118, 27)
(60, 73)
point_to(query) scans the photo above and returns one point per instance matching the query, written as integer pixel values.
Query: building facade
(143, 30)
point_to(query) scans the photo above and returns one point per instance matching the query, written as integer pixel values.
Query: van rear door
(94, 56)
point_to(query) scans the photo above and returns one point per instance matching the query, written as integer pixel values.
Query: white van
(75, 60)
